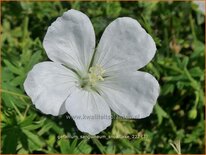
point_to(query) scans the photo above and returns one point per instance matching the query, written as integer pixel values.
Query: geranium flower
(88, 82)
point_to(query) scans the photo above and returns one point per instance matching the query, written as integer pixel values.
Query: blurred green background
(178, 30)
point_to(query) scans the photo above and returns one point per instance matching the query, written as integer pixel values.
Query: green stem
(194, 83)
(172, 124)
(27, 109)
(172, 68)
(13, 93)
(17, 110)
(192, 27)
(197, 96)
(99, 145)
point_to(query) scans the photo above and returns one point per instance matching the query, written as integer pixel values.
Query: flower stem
(13, 93)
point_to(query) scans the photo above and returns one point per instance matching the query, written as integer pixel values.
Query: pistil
(94, 76)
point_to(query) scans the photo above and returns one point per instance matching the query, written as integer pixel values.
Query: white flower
(86, 82)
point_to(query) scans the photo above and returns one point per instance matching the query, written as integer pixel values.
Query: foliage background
(178, 30)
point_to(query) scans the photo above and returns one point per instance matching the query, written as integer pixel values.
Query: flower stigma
(94, 75)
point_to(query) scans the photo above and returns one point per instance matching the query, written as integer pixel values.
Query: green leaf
(199, 48)
(73, 144)
(28, 120)
(196, 72)
(11, 140)
(6, 75)
(13, 68)
(35, 139)
(65, 146)
(160, 113)
(83, 147)
(19, 80)
(113, 9)
(167, 88)
(111, 148)
(24, 140)
(34, 125)
(185, 62)
(46, 127)
(35, 58)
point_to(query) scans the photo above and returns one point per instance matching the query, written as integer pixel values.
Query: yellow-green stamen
(96, 74)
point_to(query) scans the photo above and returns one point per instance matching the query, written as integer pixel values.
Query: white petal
(89, 111)
(70, 40)
(124, 45)
(49, 84)
(201, 6)
(131, 95)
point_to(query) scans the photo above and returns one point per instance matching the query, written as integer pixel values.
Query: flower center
(95, 74)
